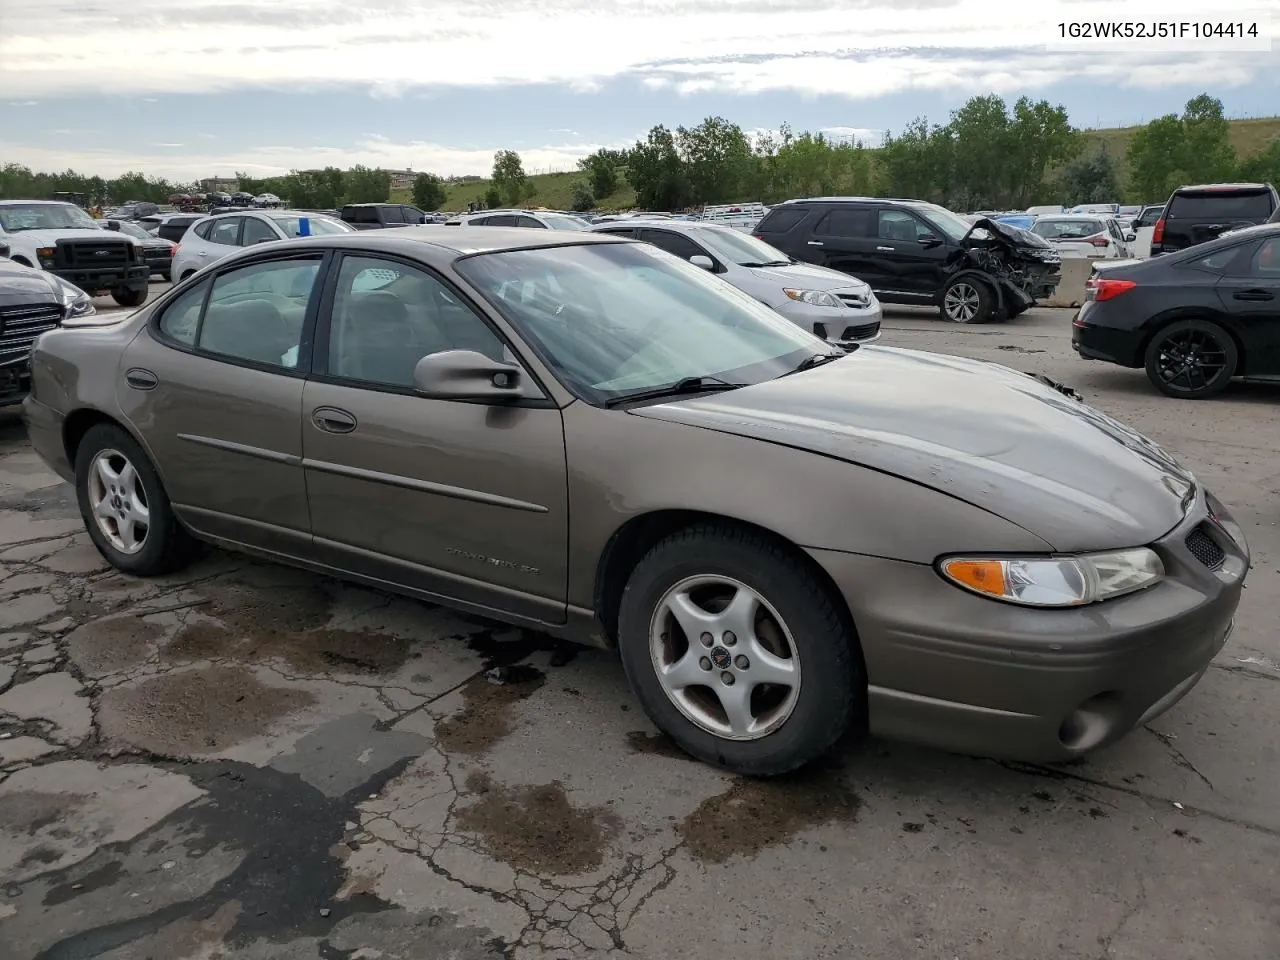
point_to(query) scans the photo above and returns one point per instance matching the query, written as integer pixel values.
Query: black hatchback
(1194, 319)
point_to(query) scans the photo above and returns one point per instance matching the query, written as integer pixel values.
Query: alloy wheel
(724, 657)
(1190, 360)
(119, 501)
(961, 302)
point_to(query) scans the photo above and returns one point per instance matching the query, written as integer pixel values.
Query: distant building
(220, 185)
(401, 179)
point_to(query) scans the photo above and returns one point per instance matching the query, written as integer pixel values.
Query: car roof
(61, 203)
(1226, 188)
(800, 200)
(658, 223)
(1100, 215)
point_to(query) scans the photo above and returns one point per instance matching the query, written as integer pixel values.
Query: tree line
(987, 155)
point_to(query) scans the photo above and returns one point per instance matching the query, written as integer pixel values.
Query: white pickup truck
(64, 240)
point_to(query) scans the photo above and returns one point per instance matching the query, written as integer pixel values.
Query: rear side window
(530, 222)
(360, 215)
(781, 219)
(392, 215)
(1255, 205)
(202, 231)
(225, 232)
(673, 243)
(1266, 262)
(846, 222)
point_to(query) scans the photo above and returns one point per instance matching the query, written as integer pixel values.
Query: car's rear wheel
(738, 653)
(130, 298)
(124, 506)
(966, 300)
(1192, 359)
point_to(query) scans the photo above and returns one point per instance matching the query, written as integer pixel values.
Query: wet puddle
(536, 828)
(316, 651)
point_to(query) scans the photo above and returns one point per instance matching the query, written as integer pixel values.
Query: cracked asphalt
(249, 762)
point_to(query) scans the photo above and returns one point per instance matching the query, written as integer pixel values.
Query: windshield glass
(44, 216)
(133, 230)
(615, 318)
(740, 248)
(952, 226)
(560, 221)
(1067, 229)
(320, 226)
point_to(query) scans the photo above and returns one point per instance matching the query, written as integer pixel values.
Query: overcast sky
(192, 88)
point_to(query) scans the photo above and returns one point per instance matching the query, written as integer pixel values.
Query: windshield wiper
(680, 387)
(767, 263)
(816, 360)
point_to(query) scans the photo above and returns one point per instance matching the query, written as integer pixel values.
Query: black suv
(373, 216)
(1196, 214)
(913, 252)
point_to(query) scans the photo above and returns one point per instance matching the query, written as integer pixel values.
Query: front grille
(854, 300)
(860, 332)
(19, 327)
(1205, 549)
(86, 254)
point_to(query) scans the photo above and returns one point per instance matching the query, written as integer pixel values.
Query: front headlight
(75, 302)
(817, 298)
(1056, 581)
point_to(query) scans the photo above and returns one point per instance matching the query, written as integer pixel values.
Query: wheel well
(185, 275)
(640, 534)
(77, 425)
(1241, 368)
(22, 260)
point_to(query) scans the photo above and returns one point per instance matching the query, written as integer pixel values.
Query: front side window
(529, 222)
(387, 316)
(256, 231)
(225, 232)
(181, 319)
(899, 225)
(612, 319)
(257, 313)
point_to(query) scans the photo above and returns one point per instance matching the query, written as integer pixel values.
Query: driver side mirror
(1130, 237)
(698, 260)
(466, 375)
(928, 240)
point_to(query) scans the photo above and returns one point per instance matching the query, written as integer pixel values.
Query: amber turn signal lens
(981, 576)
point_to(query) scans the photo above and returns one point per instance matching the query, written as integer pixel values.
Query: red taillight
(1098, 241)
(1157, 235)
(1100, 289)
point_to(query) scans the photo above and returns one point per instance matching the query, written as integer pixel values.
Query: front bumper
(837, 324)
(964, 673)
(159, 262)
(44, 431)
(15, 382)
(92, 281)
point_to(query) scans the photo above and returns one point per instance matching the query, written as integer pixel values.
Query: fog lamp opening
(1091, 723)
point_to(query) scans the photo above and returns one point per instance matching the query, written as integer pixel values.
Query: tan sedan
(585, 435)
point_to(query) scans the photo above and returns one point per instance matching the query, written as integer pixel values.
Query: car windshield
(561, 221)
(133, 230)
(619, 318)
(952, 225)
(318, 226)
(1067, 229)
(15, 217)
(741, 248)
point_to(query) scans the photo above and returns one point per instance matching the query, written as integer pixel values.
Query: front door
(1250, 292)
(911, 253)
(214, 388)
(465, 501)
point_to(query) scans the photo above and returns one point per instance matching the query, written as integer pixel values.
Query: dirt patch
(754, 814)
(286, 607)
(196, 711)
(535, 828)
(487, 704)
(655, 744)
(30, 811)
(314, 651)
(110, 646)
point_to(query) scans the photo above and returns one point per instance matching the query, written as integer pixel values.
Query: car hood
(807, 277)
(41, 238)
(21, 284)
(978, 431)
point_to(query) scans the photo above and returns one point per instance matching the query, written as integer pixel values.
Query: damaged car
(917, 253)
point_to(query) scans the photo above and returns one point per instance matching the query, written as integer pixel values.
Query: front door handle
(886, 249)
(1256, 296)
(333, 420)
(815, 243)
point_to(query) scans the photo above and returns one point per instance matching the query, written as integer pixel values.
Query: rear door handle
(333, 420)
(1256, 296)
(141, 379)
(886, 249)
(815, 243)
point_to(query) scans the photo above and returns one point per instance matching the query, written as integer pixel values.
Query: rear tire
(130, 298)
(788, 629)
(117, 486)
(967, 300)
(1192, 359)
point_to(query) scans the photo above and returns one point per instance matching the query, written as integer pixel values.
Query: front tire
(124, 506)
(130, 298)
(738, 653)
(1192, 359)
(966, 300)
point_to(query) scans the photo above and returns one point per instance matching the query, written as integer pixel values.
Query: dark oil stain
(104, 876)
(754, 814)
(109, 646)
(195, 711)
(252, 603)
(314, 651)
(504, 646)
(1097, 813)
(41, 854)
(487, 705)
(655, 744)
(1179, 832)
(30, 811)
(536, 828)
(1044, 795)
(912, 827)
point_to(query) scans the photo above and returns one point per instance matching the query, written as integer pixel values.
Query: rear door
(843, 238)
(1250, 292)
(221, 239)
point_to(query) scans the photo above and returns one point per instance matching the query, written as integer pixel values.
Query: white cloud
(858, 48)
(275, 160)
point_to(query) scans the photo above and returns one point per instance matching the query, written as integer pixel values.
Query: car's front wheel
(738, 653)
(130, 298)
(124, 506)
(1192, 359)
(966, 300)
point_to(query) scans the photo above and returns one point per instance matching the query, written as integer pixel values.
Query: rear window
(781, 219)
(1254, 205)
(1066, 229)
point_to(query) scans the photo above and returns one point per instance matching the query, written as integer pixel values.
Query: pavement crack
(1178, 756)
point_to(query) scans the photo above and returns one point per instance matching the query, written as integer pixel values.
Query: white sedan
(218, 236)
